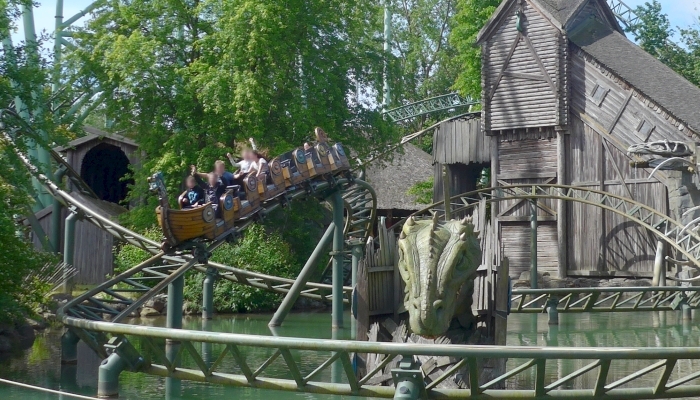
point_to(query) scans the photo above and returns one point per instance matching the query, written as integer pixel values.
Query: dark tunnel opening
(103, 168)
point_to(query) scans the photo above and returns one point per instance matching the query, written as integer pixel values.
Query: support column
(208, 294)
(174, 321)
(108, 376)
(338, 247)
(533, 244)
(552, 311)
(56, 214)
(69, 246)
(357, 254)
(304, 276)
(562, 217)
(659, 278)
(69, 347)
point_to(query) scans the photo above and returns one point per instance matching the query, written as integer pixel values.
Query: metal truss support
(552, 311)
(435, 104)
(56, 213)
(174, 321)
(304, 277)
(208, 294)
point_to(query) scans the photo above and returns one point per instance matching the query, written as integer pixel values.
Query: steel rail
(661, 225)
(618, 299)
(46, 390)
(443, 102)
(672, 382)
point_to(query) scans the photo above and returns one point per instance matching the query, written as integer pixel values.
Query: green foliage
(20, 293)
(259, 250)
(423, 191)
(653, 32)
(191, 81)
(470, 18)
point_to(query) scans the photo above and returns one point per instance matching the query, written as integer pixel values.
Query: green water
(41, 366)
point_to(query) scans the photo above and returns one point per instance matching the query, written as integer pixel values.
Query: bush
(422, 191)
(258, 250)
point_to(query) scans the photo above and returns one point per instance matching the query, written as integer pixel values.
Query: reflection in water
(41, 365)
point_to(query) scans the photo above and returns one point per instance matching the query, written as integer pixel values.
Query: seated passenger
(225, 177)
(260, 166)
(193, 196)
(213, 188)
(244, 166)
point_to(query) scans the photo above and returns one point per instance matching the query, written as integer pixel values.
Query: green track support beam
(69, 246)
(208, 294)
(303, 278)
(108, 376)
(56, 214)
(69, 347)
(174, 321)
(338, 248)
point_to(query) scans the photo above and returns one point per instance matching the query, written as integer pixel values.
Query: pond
(41, 365)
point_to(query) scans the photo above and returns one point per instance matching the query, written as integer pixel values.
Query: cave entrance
(103, 168)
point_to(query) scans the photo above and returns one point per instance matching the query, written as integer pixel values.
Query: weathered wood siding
(524, 75)
(461, 141)
(527, 161)
(93, 252)
(607, 116)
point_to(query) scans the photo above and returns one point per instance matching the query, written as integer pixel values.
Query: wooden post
(562, 226)
(447, 192)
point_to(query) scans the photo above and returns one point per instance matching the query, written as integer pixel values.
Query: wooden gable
(524, 70)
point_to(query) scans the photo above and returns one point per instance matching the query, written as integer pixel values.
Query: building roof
(94, 134)
(392, 181)
(559, 12)
(641, 70)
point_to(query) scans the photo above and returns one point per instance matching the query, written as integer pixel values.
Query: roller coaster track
(658, 364)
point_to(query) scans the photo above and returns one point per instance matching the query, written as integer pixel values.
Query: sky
(682, 13)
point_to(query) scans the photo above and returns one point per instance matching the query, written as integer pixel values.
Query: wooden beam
(505, 64)
(562, 222)
(616, 168)
(530, 77)
(541, 64)
(621, 111)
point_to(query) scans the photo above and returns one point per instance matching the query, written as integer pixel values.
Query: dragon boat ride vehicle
(290, 172)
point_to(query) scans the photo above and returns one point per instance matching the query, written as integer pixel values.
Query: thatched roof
(391, 182)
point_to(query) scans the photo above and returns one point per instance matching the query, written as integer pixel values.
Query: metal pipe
(174, 321)
(659, 278)
(69, 347)
(208, 294)
(386, 95)
(338, 247)
(108, 376)
(56, 214)
(357, 254)
(69, 246)
(304, 276)
(533, 244)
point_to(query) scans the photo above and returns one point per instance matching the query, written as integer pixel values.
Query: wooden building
(392, 182)
(565, 92)
(102, 159)
(460, 145)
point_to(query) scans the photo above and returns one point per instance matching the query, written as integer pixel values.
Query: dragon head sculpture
(436, 260)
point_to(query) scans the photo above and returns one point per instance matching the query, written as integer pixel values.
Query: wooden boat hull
(181, 225)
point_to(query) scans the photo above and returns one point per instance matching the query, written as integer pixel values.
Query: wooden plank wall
(603, 243)
(76, 156)
(461, 141)
(527, 161)
(93, 252)
(517, 92)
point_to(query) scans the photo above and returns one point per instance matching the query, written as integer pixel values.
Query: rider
(225, 178)
(193, 196)
(213, 188)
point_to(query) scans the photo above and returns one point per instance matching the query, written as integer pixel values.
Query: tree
(190, 80)
(654, 34)
(470, 18)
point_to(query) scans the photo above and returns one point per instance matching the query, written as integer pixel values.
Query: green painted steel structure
(606, 299)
